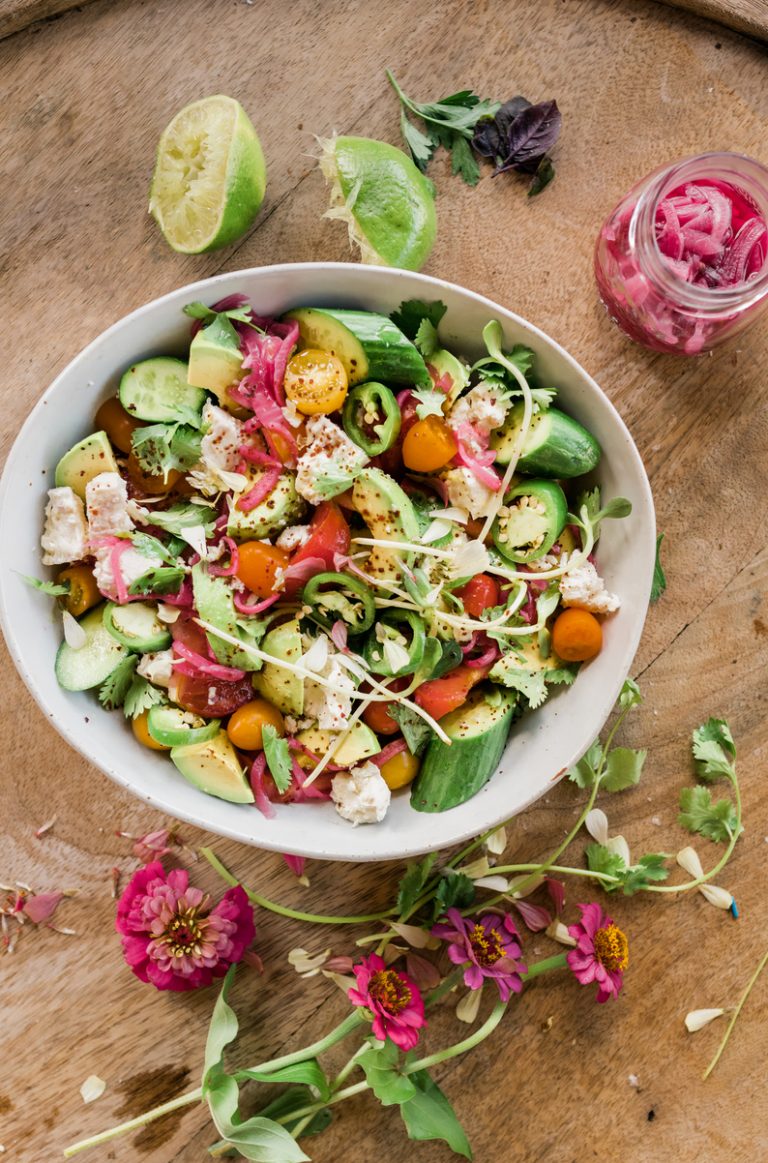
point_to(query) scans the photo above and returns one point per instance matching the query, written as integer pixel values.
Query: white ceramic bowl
(542, 745)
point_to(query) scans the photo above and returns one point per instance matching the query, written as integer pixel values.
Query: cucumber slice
(85, 461)
(157, 390)
(370, 346)
(79, 670)
(556, 445)
(451, 775)
(136, 626)
(176, 728)
(213, 767)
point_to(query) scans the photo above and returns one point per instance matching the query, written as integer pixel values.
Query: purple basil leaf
(491, 132)
(530, 136)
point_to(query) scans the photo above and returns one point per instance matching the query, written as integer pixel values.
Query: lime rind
(341, 208)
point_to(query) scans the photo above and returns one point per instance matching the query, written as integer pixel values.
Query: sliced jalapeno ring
(371, 417)
(338, 596)
(405, 631)
(530, 520)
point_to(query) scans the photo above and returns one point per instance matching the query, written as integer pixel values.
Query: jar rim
(730, 167)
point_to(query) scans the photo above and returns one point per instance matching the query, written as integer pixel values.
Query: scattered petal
(697, 1019)
(46, 827)
(92, 1088)
(74, 634)
(719, 897)
(535, 917)
(344, 983)
(688, 858)
(522, 886)
(42, 906)
(339, 964)
(307, 964)
(424, 973)
(633, 1080)
(556, 890)
(476, 868)
(497, 883)
(596, 824)
(619, 845)
(251, 957)
(297, 865)
(418, 938)
(467, 1009)
(497, 841)
(559, 932)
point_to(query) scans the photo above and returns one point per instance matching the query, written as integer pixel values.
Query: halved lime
(209, 177)
(386, 202)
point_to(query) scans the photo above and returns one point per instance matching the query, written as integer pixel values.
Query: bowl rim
(204, 287)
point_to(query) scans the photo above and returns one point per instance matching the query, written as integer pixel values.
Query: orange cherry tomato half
(577, 635)
(479, 594)
(146, 483)
(257, 566)
(83, 591)
(400, 770)
(141, 731)
(118, 424)
(439, 696)
(377, 717)
(247, 723)
(428, 445)
(316, 382)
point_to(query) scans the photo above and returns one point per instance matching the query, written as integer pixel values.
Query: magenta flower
(170, 934)
(393, 998)
(601, 953)
(488, 947)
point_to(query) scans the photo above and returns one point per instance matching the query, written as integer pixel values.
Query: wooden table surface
(84, 99)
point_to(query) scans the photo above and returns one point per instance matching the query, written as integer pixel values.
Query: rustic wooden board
(637, 84)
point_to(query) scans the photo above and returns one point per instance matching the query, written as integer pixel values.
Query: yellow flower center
(390, 991)
(486, 946)
(184, 933)
(612, 948)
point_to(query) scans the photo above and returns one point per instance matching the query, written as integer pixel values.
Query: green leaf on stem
(412, 883)
(713, 750)
(623, 768)
(429, 1115)
(603, 860)
(584, 773)
(717, 821)
(278, 757)
(416, 732)
(53, 589)
(659, 583)
(650, 868)
(113, 691)
(630, 695)
(141, 695)
(294, 1099)
(455, 890)
(309, 1072)
(222, 1029)
(381, 1065)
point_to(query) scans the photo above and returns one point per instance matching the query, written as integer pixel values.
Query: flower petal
(559, 932)
(619, 845)
(596, 824)
(697, 1019)
(416, 937)
(719, 897)
(497, 841)
(468, 1007)
(92, 1088)
(688, 858)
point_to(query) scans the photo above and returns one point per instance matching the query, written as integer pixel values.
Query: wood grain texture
(18, 14)
(637, 84)
(747, 16)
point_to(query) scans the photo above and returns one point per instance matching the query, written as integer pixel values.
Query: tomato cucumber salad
(324, 558)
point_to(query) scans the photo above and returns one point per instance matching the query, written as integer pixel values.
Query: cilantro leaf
(335, 480)
(602, 859)
(185, 515)
(713, 750)
(115, 687)
(451, 656)
(381, 1065)
(563, 675)
(278, 757)
(150, 546)
(584, 773)
(659, 583)
(207, 315)
(650, 868)
(717, 821)
(529, 683)
(463, 161)
(623, 769)
(520, 355)
(416, 732)
(53, 589)
(426, 339)
(455, 890)
(430, 402)
(140, 696)
(630, 695)
(412, 312)
(165, 580)
(163, 448)
(412, 882)
(429, 1115)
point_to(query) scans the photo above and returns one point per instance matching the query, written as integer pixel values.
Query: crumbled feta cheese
(361, 794)
(106, 499)
(291, 724)
(292, 414)
(547, 562)
(133, 565)
(329, 462)
(156, 667)
(466, 492)
(293, 538)
(484, 407)
(219, 456)
(584, 587)
(65, 537)
(329, 706)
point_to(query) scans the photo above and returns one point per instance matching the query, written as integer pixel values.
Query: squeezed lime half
(386, 202)
(209, 177)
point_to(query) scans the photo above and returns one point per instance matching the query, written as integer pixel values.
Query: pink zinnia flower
(170, 934)
(488, 947)
(393, 998)
(601, 953)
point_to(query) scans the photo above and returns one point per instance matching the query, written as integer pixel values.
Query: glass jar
(682, 262)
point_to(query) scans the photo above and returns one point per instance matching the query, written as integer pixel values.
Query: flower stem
(721, 862)
(603, 877)
(556, 961)
(734, 1017)
(350, 1023)
(490, 1024)
(283, 910)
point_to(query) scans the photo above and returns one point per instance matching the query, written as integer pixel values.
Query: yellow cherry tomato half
(141, 731)
(118, 424)
(428, 445)
(246, 724)
(83, 591)
(257, 566)
(316, 382)
(400, 770)
(577, 635)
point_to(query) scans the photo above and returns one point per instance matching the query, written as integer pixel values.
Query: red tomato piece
(210, 698)
(439, 696)
(377, 716)
(328, 535)
(479, 594)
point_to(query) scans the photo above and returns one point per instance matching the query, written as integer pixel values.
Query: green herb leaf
(602, 859)
(336, 480)
(650, 868)
(294, 1099)
(412, 312)
(115, 687)
(584, 773)
(426, 340)
(463, 161)
(185, 515)
(163, 448)
(141, 695)
(165, 580)
(416, 732)
(278, 757)
(429, 1115)
(381, 1066)
(455, 890)
(623, 769)
(451, 656)
(717, 821)
(562, 675)
(543, 176)
(412, 883)
(150, 546)
(713, 750)
(630, 695)
(53, 589)
(530, 683)
(659, 583)
(430, 402)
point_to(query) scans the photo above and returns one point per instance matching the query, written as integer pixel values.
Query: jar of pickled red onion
(682, 262)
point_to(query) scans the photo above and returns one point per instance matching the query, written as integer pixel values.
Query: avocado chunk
(278, 685)
(214, 604)
(85, 461)
(214, 767)
(452, 774)
(359, 743)
(445, 363)
(282, 507)
(390, 516)
(215, 360)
